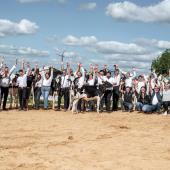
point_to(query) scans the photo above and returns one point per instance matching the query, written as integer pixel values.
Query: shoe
(4, 109)
(65, 110)
(57, 109)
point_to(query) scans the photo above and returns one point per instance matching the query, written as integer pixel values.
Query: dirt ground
(49, 140)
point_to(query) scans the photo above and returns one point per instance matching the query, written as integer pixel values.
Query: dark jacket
(145, 100)
(128, 97)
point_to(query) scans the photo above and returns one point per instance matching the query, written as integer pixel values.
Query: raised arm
(28, 69)
(52, 70)
(78, 69)
(13, 68)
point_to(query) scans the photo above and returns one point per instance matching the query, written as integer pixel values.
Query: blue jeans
(37, 95)
(139, 106)
(45, 93)
(151, 108)
(128, 106)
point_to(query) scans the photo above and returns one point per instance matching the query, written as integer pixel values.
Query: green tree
(161, 64)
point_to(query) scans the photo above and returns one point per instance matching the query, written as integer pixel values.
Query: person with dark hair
(116, 90)
(156, 101)
(30, 79)
(80, 78)
(109, 90)
(46, 86)
(5, 81)
(166, 98)
(142, 99)
(64, 90)
(128, 99)
(22, 88)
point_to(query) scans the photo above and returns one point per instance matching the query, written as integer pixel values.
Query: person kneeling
(156, 101)
(128, 99)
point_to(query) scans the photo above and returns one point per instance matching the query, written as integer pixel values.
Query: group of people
(117, 89)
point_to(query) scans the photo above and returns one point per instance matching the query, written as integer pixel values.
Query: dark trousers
(166, 105)
(4, 96)
(22, 93)
(66, 93)
(107, 100)
(115, 98)
(81, 105)
(37, 95)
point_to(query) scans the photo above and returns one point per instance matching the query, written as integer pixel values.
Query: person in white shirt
(156, 101)
(22, 88)
(109, 81)
(46, 86)
(116, 83)
(141, 83)
(129, 78)
(64, 90)
(91, 83)
(166, 98)
(5, 81)
(80, 76)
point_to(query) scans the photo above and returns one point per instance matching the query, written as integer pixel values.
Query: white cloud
(82, 41)
(88, 6)
(129, 11)
(21, 51)
(160, 44)
(111, 47)
(128, 55)
(8, 27)
(104, 47)
(32, 1)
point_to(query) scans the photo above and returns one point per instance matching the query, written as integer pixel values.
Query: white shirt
(80, 82)
(81, 79)
(166, 95)
(116, 80)
(155, 100)
(91, 82)
(6, 80)
(110, 80)
(22, 81)
(39, 83)
(64, 81)
(100, 80)
(128, 82)
(47, 82)
(140, 84)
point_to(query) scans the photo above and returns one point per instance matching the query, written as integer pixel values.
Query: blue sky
(89, 31)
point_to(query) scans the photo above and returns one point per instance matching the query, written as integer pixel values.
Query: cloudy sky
(128, 33)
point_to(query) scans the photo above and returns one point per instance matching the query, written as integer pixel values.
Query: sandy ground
(40, 140)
